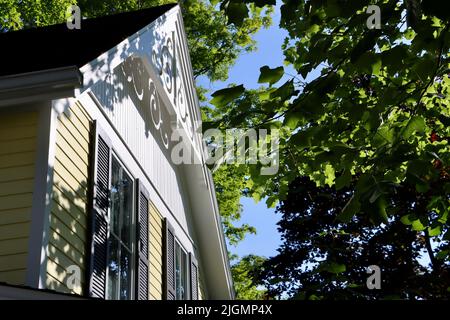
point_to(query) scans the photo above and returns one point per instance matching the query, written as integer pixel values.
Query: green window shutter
(169, 252)
(99, 217)
(194, 276)
(142, 243)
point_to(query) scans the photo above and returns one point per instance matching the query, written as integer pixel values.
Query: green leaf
(384, 135)
(415, 124)
(344, 180)
(381, 206)
(370, 63)
(269, 75)
(351, 208)
(424, 68)
(417, 225)
(272, 201)
(224, 96)
(286, 91)
(329, 174)
(292, 119)
(236, 12)
(408, 219)
(435, 231)
(333, 267)
(375, 195)
(376, 66)
(441, 255)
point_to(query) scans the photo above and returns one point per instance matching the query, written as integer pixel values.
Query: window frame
(186, 269)
(132, 279)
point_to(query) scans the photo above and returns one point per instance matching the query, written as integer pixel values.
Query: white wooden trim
(43, 177)
(39, 86)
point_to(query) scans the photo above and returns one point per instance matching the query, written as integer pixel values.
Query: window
(119, 244)
(181, 275)
(121, 236)
(181, 272)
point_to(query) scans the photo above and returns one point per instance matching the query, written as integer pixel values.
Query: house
(92, 203)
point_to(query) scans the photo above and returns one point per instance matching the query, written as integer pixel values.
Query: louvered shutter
(99, 221)
(194, 276)
(142, 243)
(169, 261)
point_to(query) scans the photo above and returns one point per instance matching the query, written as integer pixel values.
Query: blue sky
(246, 71)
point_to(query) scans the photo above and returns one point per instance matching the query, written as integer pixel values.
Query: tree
(244, 273)
(323, 258)
(29, 13)
(376, 119)
(230, 186)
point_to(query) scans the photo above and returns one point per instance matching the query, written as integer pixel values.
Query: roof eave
(40, 85)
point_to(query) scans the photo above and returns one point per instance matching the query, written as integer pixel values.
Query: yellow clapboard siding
(156, 266)
(155, 257)
(74, 215)
(59, 241)
(17, 159)
(15, 201)
(69, 185)
(70, 160)
(156, 231)
(60, 272)
(13, 231)
(15, 146)
(156, 291)
(63, 135)
(63, 259)
(53, 284)
(16, 215)
(59, 277)
(156, 236)
(77, 183)
(154, 214)
(15, 119)
(16, 277)
(157, 223)
(155, 294)
(154, 281)
(19, 132)
(17, 173)
(12, 246)
(73, 204)
(66, 252)
(77, 125)
(13, 262)
(83, 111)
(70, 222)
(76, 110)
(16, 187)
(78, 158)
(156, 253)
(67, 234)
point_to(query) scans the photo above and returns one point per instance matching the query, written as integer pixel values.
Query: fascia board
(46, 84)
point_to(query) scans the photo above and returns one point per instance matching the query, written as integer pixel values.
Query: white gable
(144, 88)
